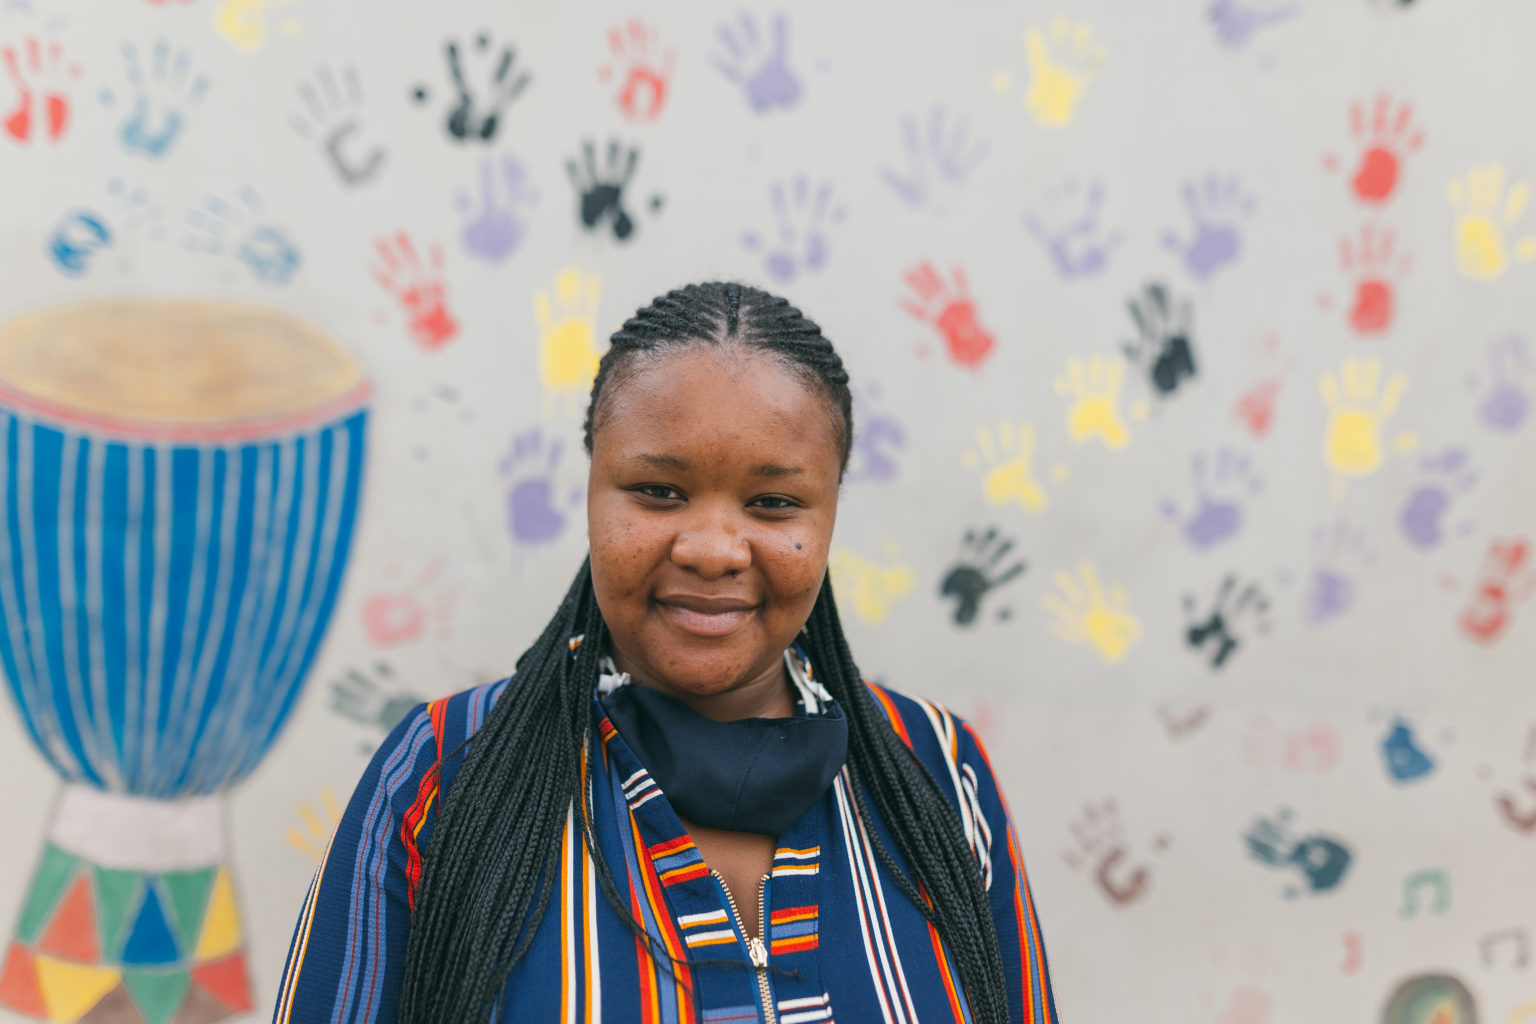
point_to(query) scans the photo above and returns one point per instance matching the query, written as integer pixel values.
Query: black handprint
(334, 108)
(601, 196)
(1217, 628)
(471, 118)
(977, 572)
(368, 702)
(1162, 348)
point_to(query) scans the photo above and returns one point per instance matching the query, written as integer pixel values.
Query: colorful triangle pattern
(100, 945)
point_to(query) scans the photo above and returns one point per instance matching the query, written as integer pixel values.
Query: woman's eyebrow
(669, 461)
(770, 469)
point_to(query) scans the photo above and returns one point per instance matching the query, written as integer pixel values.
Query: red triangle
(71, 935)
(18, 983)
(226, 981)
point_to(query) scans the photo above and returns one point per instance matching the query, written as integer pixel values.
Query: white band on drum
(115, 830)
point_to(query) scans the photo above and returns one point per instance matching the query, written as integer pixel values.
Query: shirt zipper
(757, 950)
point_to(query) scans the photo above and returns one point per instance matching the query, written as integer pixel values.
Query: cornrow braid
(493, 858)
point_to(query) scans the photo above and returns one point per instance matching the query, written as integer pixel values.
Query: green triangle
(54, 873)
(188, 891)
(157, 994)
(117, 893)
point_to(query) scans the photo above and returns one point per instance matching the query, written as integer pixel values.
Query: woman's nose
(712, 546)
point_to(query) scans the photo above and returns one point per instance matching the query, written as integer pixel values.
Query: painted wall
(1193, 358)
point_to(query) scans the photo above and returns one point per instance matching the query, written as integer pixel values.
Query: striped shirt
(842, 940)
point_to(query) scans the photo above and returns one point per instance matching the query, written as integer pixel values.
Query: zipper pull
(757, 952)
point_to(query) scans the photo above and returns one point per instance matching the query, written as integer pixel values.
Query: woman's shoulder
(436, 727)
(933, 731)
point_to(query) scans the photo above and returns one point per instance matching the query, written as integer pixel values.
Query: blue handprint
(1405, 761)
(802, 219)
(265, 249)
(1074, 238)
(496, 229)
(1217, 207)
(943, 151)
(78, 237)
(760, 66)
(160, 101)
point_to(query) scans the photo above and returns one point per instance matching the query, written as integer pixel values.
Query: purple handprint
(1446, 477)
(1330, 589)
(496, 228)
(875, 443)
(1507, 400)
(803, 218)
(760, 66)
(1236, 21)
(1219, 492)
(1073, 237)
(533, 511)
(942, 150)
(1216, 208)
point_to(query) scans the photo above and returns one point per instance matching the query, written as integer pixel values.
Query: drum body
(179, 484)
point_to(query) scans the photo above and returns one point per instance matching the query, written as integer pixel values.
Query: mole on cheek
(797, 545)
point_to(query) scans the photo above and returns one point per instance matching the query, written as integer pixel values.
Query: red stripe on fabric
(798, 944)
(686, 874)
(788, 914)
(892, 714)
(677, 845)
(415, 817)
(946, 974)
(682, 975)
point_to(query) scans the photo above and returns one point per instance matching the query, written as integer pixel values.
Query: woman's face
(710, 506)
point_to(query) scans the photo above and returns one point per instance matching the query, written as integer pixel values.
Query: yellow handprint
(1060, 70)
(1093, 385)
(567, 356)
(244, 23)
(318, 824)
(1481, 224)
(1083, 616)
(1009, 455)
(874, 588)
(1353, 444)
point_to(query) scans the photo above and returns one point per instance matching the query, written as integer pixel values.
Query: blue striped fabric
(845, 943)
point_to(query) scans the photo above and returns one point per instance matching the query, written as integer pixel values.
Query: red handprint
(418, 288)
(1256, 408)
(635, 51)
(395, 617)
(1370, 260)
(1386, 136)
(41, 75)
(950, 309)
(1506, 579)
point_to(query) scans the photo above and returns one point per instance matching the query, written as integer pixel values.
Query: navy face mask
(754, 775)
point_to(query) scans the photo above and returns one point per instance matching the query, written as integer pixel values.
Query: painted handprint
(1506, 397)
(161, 100)
(1322, 860)
(1163, 347)
(1406, 761)
(802, 214)
(244, 23)
(333, 113)
(399, 612)
(877, 442)
(568, 355)
(1101, 848)
(1443, 478)
(536, 514)
(641, 67)
(948, 306)
(497, 218)
(1313, 749)
(418, 286)
(476, 110)
(1086, 614)
(375, 700)
(240, 228)
(43, 76)
(1358, 408)
(1385, 136)
(1006, 457)
(1221, 630)
(1068, 225)
(76, 240)
(759, 65)
(1222, 486)
(983, 566)
(1237, 21)
(871, 588)
(83, 233)
(938, 151)
(1486, 213)
(1375, 268)
(600, 193)
(1338, 552)
(1247, 1005)
(1061, 65)
(1216, 207)
(1092, 390)
(1505, 580)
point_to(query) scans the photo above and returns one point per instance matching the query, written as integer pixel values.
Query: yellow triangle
(221, 925)
(70, 990)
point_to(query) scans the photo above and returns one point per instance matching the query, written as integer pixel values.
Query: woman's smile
(706, 616)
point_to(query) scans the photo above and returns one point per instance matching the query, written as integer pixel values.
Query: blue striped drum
(181, 482)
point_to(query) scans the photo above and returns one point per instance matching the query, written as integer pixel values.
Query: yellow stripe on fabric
(295, 963)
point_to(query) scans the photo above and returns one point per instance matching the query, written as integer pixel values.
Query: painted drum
(180, 485)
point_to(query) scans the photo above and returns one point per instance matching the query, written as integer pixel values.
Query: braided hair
(493, 858)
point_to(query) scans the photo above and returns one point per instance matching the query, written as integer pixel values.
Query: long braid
(490, 868)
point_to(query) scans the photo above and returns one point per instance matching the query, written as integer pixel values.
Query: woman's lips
(705, 617)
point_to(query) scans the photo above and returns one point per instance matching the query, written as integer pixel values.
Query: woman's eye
(774, 503)
(660, 492)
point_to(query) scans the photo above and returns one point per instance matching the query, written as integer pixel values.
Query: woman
(685, 805)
